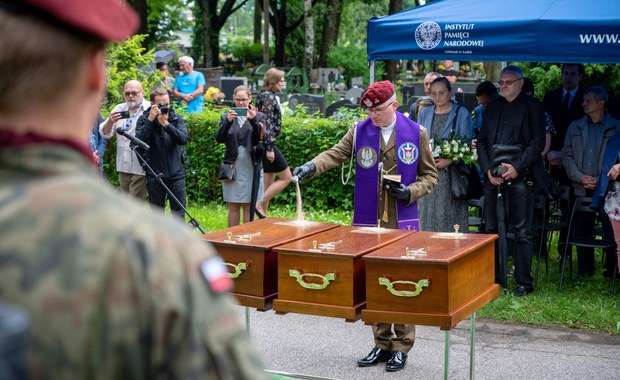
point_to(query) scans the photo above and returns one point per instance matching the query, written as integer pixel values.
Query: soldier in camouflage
(113, 291)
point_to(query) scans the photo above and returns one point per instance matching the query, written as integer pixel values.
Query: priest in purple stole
(387, 142)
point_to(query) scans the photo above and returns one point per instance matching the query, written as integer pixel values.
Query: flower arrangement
(214, 95)
(455, 150)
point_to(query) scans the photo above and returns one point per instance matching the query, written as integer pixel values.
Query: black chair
(580, 207)
(476, 221)
(558, 218)
(555, 220)
(541, 231)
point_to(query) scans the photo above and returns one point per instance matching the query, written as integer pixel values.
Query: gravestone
(332, 108)
(228, 85)
(212, 75)
(357, 82)
(325, 76)
(312, 103)
(354, 94)
(466, 99)
(408, 93)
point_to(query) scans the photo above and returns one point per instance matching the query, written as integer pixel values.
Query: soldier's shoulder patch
(215, 272)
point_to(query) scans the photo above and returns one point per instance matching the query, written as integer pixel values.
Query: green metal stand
(472, 351)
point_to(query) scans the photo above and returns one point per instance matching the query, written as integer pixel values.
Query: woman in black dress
(273, 162)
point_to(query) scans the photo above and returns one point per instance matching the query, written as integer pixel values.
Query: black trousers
(518, 195)
(158, 195)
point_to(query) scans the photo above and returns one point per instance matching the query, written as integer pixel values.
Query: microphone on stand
(141, 144)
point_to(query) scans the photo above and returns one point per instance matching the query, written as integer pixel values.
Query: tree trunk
(257, 22)
(211, 30)
(492, 70)
(309, 48)
(331, 28)
(212, 25)
(392, 67)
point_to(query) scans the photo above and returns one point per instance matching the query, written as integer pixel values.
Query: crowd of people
(100, 276)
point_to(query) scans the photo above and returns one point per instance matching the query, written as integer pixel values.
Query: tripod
(159, 179)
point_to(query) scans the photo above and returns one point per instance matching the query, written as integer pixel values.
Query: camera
(163, 108)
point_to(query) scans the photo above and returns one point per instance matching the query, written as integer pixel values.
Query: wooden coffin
(247, 252)
(451, 281)
(319, 278)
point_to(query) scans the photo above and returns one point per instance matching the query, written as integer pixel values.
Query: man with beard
(125, 115)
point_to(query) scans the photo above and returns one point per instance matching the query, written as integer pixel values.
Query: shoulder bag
(226, 172)
(465, 182)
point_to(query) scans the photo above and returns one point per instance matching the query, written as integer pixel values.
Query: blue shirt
(188, 83)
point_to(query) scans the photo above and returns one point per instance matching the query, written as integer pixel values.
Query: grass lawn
(582, 304)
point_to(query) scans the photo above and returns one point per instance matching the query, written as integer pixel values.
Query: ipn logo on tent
(428, 35)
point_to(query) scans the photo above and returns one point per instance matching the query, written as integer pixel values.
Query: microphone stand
(159, 179)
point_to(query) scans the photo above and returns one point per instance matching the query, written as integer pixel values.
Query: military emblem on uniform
(366, 157)
(408, 153)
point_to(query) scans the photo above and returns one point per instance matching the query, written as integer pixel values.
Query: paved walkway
(329, 347)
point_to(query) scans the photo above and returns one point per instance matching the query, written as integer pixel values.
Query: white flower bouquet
(455, 150)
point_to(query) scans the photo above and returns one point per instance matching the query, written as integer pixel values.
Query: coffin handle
(238, 269)
(308, 285)
(404, 293)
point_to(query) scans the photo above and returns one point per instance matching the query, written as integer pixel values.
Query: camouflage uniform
(113, 291)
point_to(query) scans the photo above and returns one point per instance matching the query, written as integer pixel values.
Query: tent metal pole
(372, 72)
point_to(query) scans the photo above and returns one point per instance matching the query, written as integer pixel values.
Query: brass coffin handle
(300, 279)
(404, 293)
(238, 269)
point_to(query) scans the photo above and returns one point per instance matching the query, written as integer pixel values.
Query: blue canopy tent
(501, 30)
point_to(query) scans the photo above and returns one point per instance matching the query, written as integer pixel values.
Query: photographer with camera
(125, 115)
(166, 134)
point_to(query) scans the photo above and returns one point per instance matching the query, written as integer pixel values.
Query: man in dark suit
(513, 120)
(564, 105)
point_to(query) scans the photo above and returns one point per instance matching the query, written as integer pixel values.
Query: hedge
(302, 138)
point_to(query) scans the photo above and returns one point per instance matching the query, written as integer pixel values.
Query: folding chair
(477, 221)
(580, 207)
(540, 210)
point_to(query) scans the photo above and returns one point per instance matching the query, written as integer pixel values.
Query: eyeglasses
(241, 99)
(508, 82)
(440, 93)
(132, 93)
(378, 109)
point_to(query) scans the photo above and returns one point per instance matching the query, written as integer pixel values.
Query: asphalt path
(320, 347)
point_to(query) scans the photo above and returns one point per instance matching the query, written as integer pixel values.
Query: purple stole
(368, 154)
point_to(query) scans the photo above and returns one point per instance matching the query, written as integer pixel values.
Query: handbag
(504, 153)
(226, 172)
(465, 182)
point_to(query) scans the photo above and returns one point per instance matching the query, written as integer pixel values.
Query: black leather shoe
(375, 357)
(521, 290)
(396, 362)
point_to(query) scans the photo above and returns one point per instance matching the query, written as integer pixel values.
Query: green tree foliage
(166, 16)
(547, 76)
(353, 58)
(126, 61)
(302, 138)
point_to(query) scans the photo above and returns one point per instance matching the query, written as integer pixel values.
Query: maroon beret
(377, 94)
(109, 20)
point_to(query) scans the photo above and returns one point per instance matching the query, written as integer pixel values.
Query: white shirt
(386, 132)
(126, 160)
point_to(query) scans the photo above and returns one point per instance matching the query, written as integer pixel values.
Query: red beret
(377, 94)
(109, 20)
